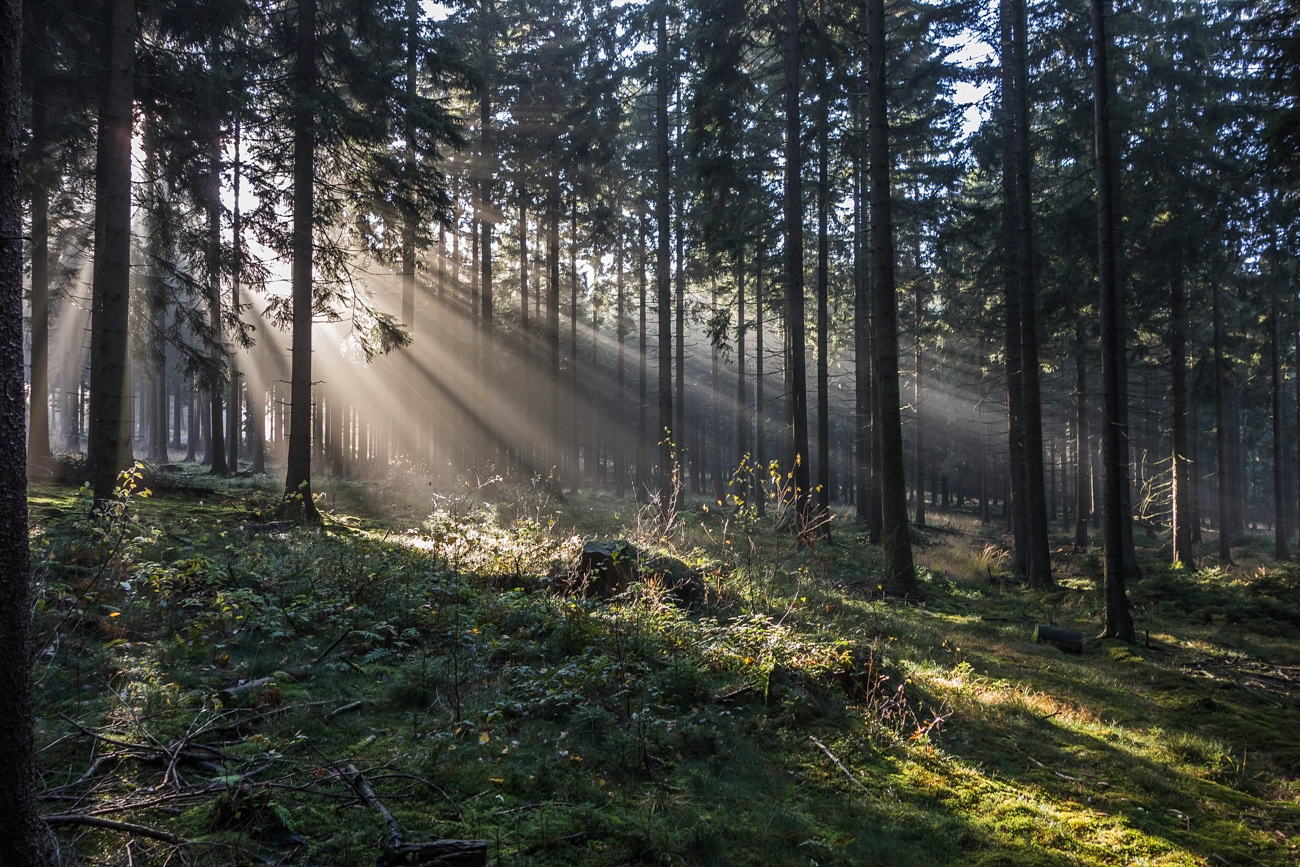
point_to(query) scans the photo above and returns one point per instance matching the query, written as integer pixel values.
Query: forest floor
(215, 687)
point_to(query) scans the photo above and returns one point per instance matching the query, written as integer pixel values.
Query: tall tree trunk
(865, 506)
(38, 441)
(680, 438)
(218, 435)
(760, 408)
(109, 444)
(1029, 506)
(22, 834)
(575, 430)
(796, 363)
(715, 412)
(297, 485)
(665, 433)
(236, 385)
(620, 426)
(1115, 515)
(642, 384)
(917, 399)
(1082, 449)
(823, 307)
(899, 570)
(553, 449)
(487, 366)
(406, 355)
(527, 379)
(1181, 502)
(1280, 523)
(742, 408)
(1222, 472)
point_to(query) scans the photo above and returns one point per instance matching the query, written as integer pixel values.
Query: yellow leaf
(484, 738)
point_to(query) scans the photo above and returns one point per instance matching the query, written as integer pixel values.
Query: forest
(627, 431)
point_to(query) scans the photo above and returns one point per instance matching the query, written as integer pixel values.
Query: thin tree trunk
(620, 426)
(1115, 515)
(1222, 474)
(919, 438)
(796, 363)
(823, 311)
(217, 429)
(642, 385)
(1280, 523)
(38, 442)
(553, 454)
(1082, 450)
(760, 409)
(742, 408)
(406, 355)
(899, 570)
(487, 366)
(715, 420)
(665, 433)
(1181, 502)
(861, 343)
(575, 430)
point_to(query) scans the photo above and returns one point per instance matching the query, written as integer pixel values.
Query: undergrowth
(236, 687)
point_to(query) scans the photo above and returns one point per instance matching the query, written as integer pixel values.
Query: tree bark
(297, 486)
(1280, 523)
(899, 570)
(1082, 448)
(217, 428)
(1222, 458)
(1115, 514)
(620, 428)
(796, 362)
(109, 443)
(38, 442)
(1181, 501)
(823, 288)
(643, 474)
(665, 432)
(22, 835)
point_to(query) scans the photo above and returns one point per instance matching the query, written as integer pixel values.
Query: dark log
(1069, 640)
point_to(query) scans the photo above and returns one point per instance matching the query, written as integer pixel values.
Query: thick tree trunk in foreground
(899, 570)
(1115, 514)
(109, 444)
(297, 486)
(22, 836)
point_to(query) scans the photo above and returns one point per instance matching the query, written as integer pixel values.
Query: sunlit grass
(546, 716)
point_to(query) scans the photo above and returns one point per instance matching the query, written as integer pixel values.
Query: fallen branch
(451, 853)
(113, 825)
(347, 708)
(363, 788)
(1058, 773)
(830, 755)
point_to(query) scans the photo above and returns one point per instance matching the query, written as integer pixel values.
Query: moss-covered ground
(421, 647)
